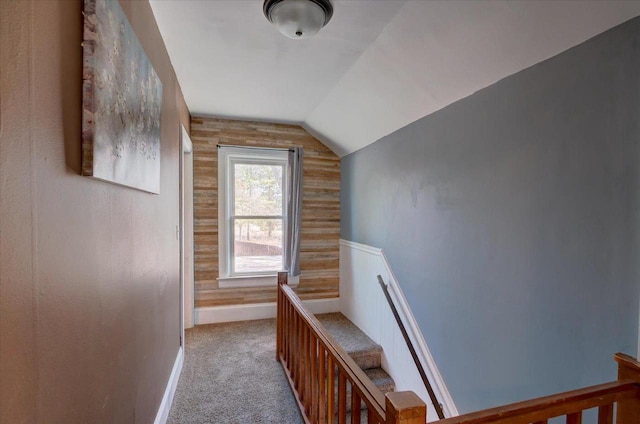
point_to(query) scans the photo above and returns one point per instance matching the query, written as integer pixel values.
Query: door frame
(186, 233)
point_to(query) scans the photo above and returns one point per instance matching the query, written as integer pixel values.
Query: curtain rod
(249, 147)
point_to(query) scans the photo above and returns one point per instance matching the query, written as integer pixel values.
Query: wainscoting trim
(363, 302)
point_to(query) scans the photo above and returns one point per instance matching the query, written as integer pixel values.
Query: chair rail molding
(362, 301)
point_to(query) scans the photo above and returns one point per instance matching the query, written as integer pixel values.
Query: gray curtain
(294, 212)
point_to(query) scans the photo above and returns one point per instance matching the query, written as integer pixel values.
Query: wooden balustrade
(625, 393)
(321, 373)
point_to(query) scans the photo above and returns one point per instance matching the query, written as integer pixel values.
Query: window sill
(253, 281)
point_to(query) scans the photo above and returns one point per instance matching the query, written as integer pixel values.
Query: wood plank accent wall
(319, 247)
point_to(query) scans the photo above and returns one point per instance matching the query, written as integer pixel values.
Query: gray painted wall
(510, 219)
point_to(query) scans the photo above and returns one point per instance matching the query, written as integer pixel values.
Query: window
(253, 186)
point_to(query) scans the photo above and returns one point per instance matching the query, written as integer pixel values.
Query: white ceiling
(376, 67)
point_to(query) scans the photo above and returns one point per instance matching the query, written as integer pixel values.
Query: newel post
(628, 369)
(282, 280)
(405, 408)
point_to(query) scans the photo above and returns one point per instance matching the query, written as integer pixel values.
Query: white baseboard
(253, 311)
(363, 302)
(170, 391)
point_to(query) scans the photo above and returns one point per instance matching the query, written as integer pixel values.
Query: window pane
(258, 189)
(257, 245)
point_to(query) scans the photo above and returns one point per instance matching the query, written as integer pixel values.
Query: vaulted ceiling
(376, 67)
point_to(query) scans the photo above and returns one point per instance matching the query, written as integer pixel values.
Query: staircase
(364, 351)
(315, 351)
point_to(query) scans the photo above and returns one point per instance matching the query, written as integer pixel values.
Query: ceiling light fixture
(298, 18)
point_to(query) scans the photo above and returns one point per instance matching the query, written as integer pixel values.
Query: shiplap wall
(319, 248)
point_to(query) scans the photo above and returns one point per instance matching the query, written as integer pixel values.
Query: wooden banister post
(628, 409)
(282, 280)
(405, 408)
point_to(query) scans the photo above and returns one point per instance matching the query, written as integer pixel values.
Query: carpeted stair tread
(364, 351)
(381, 379)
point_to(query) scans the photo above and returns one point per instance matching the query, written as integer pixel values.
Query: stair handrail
(396, 408)
(625, 392)
(425, 380)
(342, 358)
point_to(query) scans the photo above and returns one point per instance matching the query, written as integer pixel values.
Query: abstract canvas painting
(121, 101)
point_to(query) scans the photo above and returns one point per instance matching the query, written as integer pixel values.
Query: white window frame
(227, 158)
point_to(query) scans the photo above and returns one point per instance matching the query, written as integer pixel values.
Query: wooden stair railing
(625, 393)
(319, 372)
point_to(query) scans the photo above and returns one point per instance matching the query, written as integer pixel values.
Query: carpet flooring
(230, 375)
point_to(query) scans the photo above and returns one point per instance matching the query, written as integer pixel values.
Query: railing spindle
(283, 326)
(371, 419)
(342, 398)
(331, 390)
(294, 346)
(287, 340)
(314, 379)
(575, 418)
(605, 414)
(285, 331)
(289, 337)
(299, 346)
(307, 370)
(322, 385)
(355, 406)
(282, 279)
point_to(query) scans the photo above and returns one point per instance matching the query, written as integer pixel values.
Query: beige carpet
(230, 375)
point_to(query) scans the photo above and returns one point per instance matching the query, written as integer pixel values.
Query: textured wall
(319, 250)
(89, 271)
(511, 221)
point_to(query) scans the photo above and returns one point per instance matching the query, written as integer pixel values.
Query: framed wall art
(121, 101)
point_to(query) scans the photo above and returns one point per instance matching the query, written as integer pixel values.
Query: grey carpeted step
(367, 359)
(379, 377)
(365, 352)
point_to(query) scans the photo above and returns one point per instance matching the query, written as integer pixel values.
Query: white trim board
(363, 302)
(253, 311)
(228, 157)
(255, 281)
(170, 391)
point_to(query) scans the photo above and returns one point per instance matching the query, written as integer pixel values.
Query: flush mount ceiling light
(298, 18)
